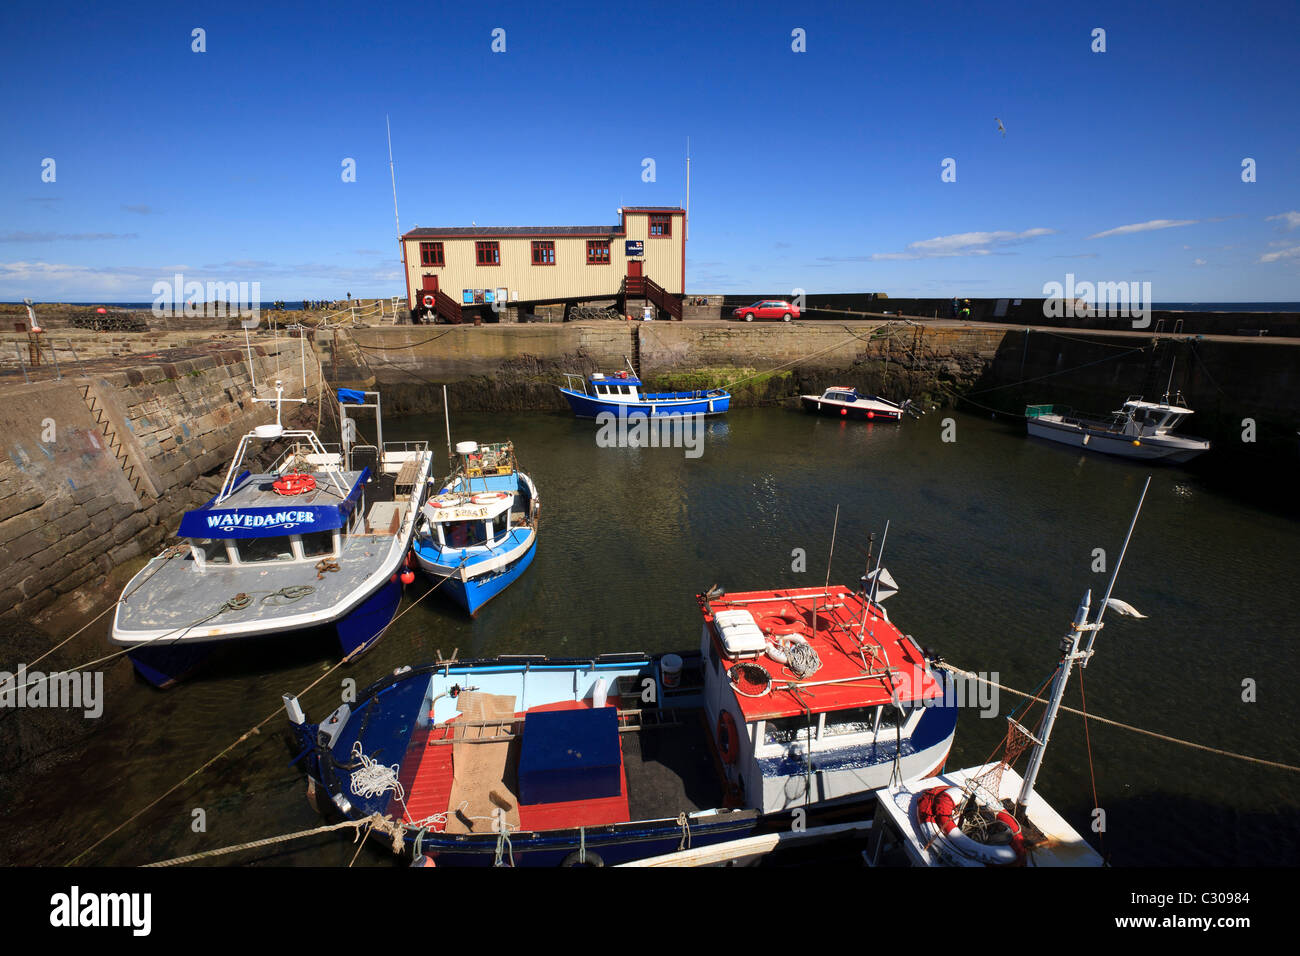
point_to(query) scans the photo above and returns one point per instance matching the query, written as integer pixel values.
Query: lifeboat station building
(501, 272)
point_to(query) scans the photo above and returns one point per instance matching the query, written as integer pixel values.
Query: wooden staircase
(643, 287)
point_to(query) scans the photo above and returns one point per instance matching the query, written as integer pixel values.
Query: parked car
(768, 309)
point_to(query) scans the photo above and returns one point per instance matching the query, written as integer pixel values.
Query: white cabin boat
(1139, 429)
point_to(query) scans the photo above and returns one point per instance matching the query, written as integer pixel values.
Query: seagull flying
(1001, 129)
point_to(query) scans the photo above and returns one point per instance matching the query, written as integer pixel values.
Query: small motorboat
(478, 534)
(1139, 429)
(799, 704)
(621, 395)
(844, 401)
(320, 538)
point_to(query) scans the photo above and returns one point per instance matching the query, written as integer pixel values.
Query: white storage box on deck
(740, 635)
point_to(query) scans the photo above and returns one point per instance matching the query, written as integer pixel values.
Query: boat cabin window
(255, 550)
(858, 720)
(210, 550)
(891, 717)
(317, 544)
(464, 534)
(839, 396)
(500, 525)
(788, 730)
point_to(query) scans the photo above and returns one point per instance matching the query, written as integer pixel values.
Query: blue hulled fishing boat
(802, 699)
(319, 540)
(478, 534)
(621, 395)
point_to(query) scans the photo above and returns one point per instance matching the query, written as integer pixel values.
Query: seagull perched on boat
(1001, 129)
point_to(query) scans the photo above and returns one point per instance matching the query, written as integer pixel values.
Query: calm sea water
(991, 540)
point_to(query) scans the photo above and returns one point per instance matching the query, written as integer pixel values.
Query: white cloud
(1292, 219)
(958, 244)
(1144, 227)
(1198, 262)
(1291, 253)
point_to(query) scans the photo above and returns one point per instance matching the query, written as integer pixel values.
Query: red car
(768, 309)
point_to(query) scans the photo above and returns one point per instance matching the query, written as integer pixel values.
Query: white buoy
(670, 665)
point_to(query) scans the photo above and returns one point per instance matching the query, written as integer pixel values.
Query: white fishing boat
(988, 815)
(1139, 429)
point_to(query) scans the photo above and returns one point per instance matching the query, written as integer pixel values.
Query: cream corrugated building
(529, 265)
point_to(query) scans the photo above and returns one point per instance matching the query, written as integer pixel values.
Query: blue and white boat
(621, 395)
(316, 542)
(797, 701)
(478, 534)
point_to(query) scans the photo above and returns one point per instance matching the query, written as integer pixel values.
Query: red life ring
(937, 806)
(293, 484)
(728, 738)
(428, 302)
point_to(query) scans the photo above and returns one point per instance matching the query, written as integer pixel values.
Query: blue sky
(817, 170)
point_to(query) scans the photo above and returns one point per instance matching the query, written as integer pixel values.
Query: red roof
(864, 658)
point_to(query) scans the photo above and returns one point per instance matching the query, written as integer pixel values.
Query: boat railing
(580, 387)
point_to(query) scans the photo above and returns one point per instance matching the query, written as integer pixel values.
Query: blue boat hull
(584, 406)
(477, 591)
(164, 665)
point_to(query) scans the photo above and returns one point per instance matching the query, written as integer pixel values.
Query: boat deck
(667, 768)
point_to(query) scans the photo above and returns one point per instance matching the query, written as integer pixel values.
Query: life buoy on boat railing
(444, 502)
(935, 809)
(293, 484)
(489, 497)
(728, 738)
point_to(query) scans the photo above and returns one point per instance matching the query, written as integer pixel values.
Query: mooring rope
(1115, 723)
(256, 729)
(373, 820)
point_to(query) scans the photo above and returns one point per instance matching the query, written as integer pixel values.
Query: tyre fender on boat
(575, 859)
(728, 738)
(934, 812)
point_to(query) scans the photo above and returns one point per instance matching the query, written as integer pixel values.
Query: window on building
(487, 253)
(431, 254)
(597, 252)
(661, 225)
(543, 253)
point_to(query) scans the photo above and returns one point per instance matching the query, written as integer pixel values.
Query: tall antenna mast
(1070, 653)
(393, 174)
(831, 559)
(686, 231)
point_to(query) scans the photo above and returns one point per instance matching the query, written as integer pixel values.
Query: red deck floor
(427, 773)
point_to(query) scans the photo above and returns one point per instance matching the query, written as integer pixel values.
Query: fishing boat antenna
(393, 174)
(446, 412)
(1069, 654)
(875, 581)
(831, 558)
(1168, 385)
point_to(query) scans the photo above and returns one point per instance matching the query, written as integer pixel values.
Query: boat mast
(1069, 654)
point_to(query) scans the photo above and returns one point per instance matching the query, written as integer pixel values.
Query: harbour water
(991, 539)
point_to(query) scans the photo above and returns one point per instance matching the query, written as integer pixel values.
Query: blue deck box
(570, 755)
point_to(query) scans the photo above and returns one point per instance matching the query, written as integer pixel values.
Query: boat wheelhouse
(621, 395)
(844, 401)
(1139, 429)
(318, 539)
(537, 761)
(478, 534)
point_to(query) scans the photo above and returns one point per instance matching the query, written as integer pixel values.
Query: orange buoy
(293, 484)
(408, 576)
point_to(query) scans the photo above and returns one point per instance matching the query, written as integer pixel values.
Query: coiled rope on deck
(970, 675)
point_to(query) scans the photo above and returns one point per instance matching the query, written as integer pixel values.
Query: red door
(430, 283)
(634, 268)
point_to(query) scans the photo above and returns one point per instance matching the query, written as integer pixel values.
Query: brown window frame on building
(487, 252)
(665, 224)
(431, 254)
(546, 249)
(598, 252)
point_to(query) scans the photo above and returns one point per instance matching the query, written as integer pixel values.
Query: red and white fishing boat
(802, 699)
(844, 401)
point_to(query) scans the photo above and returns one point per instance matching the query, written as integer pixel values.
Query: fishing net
(990, 781)
(750, 680)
